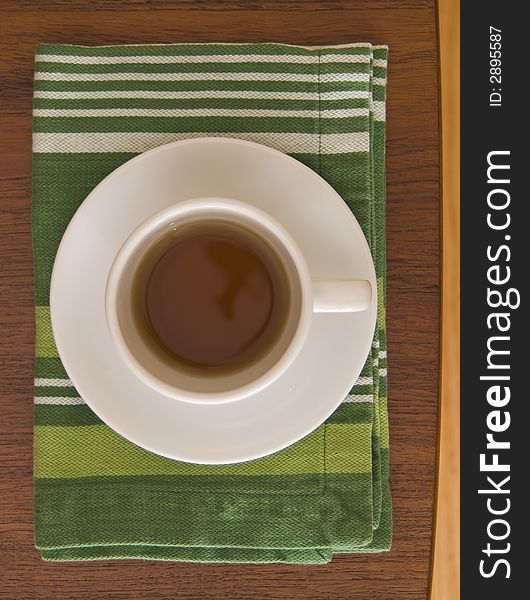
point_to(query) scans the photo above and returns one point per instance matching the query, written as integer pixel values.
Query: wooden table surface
(409, 28)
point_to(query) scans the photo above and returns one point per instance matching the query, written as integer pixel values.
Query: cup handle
(341, 296)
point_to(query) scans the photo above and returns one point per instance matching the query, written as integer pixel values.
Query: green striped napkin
(98, 496)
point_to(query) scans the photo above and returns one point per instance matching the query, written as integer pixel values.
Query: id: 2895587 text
(495, 66)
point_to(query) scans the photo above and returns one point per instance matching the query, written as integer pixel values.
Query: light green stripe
(92, 451)
(44, 342)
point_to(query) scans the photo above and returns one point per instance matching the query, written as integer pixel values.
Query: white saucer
(322, 374)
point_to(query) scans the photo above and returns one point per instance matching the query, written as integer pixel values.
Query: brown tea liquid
(211, 295)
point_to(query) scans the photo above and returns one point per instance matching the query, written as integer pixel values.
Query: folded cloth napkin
(98, 496)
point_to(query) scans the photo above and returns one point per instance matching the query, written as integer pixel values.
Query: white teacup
(308, 297)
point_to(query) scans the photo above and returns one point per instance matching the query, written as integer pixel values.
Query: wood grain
(446, 559)
(409, 28)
